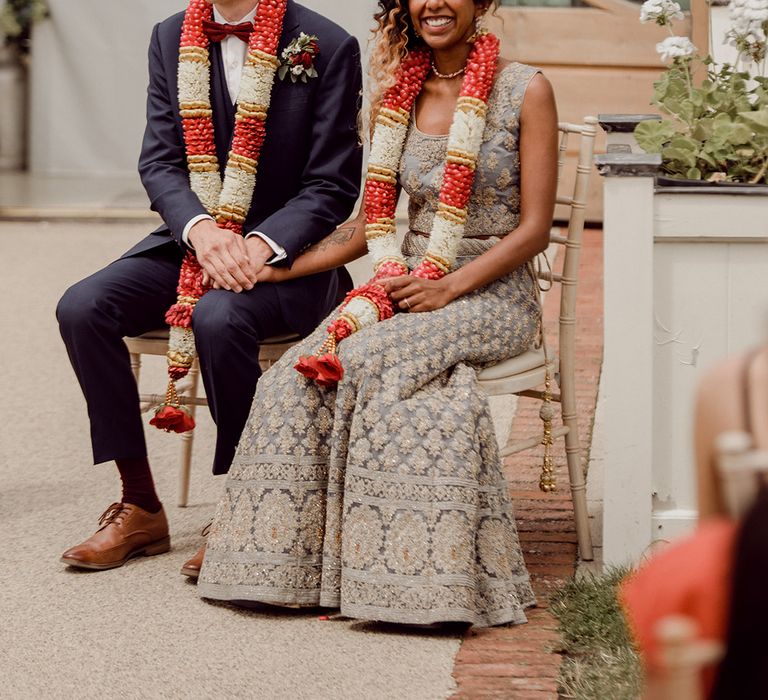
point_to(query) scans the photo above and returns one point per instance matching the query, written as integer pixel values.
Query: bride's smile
(447, 27)
(437, 24)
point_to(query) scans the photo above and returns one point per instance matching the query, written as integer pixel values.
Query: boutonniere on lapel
(299, 58)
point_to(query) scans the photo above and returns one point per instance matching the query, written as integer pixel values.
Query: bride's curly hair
(393, 36)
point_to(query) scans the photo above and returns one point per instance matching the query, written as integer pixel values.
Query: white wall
(89, 76)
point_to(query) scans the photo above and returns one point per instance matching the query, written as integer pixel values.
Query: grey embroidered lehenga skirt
(383, 497)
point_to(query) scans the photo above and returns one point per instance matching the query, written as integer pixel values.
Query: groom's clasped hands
(229, 261)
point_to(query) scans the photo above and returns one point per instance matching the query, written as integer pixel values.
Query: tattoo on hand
(339, 237)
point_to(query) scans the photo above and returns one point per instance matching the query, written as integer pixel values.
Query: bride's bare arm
(345, 244)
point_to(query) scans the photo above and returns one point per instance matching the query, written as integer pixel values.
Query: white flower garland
(464, 142)
(235, 193)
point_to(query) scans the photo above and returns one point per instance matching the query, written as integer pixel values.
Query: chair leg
(187, 440)
(576, 473)
(135, 365)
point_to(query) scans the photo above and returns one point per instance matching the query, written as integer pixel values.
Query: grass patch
(600, 660)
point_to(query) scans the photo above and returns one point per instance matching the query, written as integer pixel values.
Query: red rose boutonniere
(299, 59)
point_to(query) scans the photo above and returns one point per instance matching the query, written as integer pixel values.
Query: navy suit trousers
(130, 297)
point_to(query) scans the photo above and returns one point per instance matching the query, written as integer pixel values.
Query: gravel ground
(140, 631)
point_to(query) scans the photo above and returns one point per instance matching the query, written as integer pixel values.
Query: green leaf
(703, 129)
(653, 135)
(758, 120)
(693, 174)
(684, 143)
(707, 158)
(282, 72)
(685, 157)
(697, 98)
(740, 134)
(731, 134)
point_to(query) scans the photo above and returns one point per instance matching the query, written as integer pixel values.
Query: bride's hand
(415, 294)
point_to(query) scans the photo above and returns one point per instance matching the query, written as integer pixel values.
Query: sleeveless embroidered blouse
(494, 208)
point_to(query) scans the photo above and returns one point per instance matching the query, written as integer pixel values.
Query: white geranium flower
(746, 14)
(749, 21)
(757, 10)
(660, 11)
(675, 47)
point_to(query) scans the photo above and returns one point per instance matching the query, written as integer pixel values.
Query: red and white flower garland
(228, 201)
(370, 303)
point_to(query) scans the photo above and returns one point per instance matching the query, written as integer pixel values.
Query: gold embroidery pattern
(385, 496)
(495, 205)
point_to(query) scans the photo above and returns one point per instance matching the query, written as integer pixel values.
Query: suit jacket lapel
(291, 20)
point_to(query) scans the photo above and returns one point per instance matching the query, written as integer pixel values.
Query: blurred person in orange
(716, 576)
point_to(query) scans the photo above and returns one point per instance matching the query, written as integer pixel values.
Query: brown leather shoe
(125, 531)
(193, 566)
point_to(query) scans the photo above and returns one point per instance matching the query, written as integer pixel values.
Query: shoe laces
(111, 514)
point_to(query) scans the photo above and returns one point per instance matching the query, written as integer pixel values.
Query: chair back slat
(515, 376)
(572, 251)
(561, 153)
(576, 201)
(549, 276)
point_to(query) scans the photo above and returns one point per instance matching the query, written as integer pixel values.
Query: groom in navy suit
(308, 181)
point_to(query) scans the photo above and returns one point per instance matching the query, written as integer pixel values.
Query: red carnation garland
(380, 201)
(248, 139)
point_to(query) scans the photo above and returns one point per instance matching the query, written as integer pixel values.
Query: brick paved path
(518, 662)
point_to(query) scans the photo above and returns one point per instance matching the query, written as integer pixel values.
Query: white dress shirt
(233, 53)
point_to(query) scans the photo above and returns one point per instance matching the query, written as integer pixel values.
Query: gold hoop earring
(480, 29)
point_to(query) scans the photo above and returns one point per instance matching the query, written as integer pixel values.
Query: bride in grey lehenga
(384, 496)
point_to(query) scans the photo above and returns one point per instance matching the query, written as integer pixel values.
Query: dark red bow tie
(217, 32)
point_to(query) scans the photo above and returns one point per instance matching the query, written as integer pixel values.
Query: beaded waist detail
(416, 244)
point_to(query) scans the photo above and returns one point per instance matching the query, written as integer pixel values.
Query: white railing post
(627, 380)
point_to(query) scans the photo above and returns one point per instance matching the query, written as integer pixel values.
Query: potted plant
(717, 125)
(16, 20)
(684, 261)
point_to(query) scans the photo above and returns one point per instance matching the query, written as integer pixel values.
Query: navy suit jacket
(310, 166)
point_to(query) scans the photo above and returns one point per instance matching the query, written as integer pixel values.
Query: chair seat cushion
(159, 334)
(162, 334)
(282, 339)
(530, 359)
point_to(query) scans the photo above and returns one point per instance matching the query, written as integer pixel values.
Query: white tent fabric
(89, 76)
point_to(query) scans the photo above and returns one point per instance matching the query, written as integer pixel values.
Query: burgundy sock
(138, 485)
